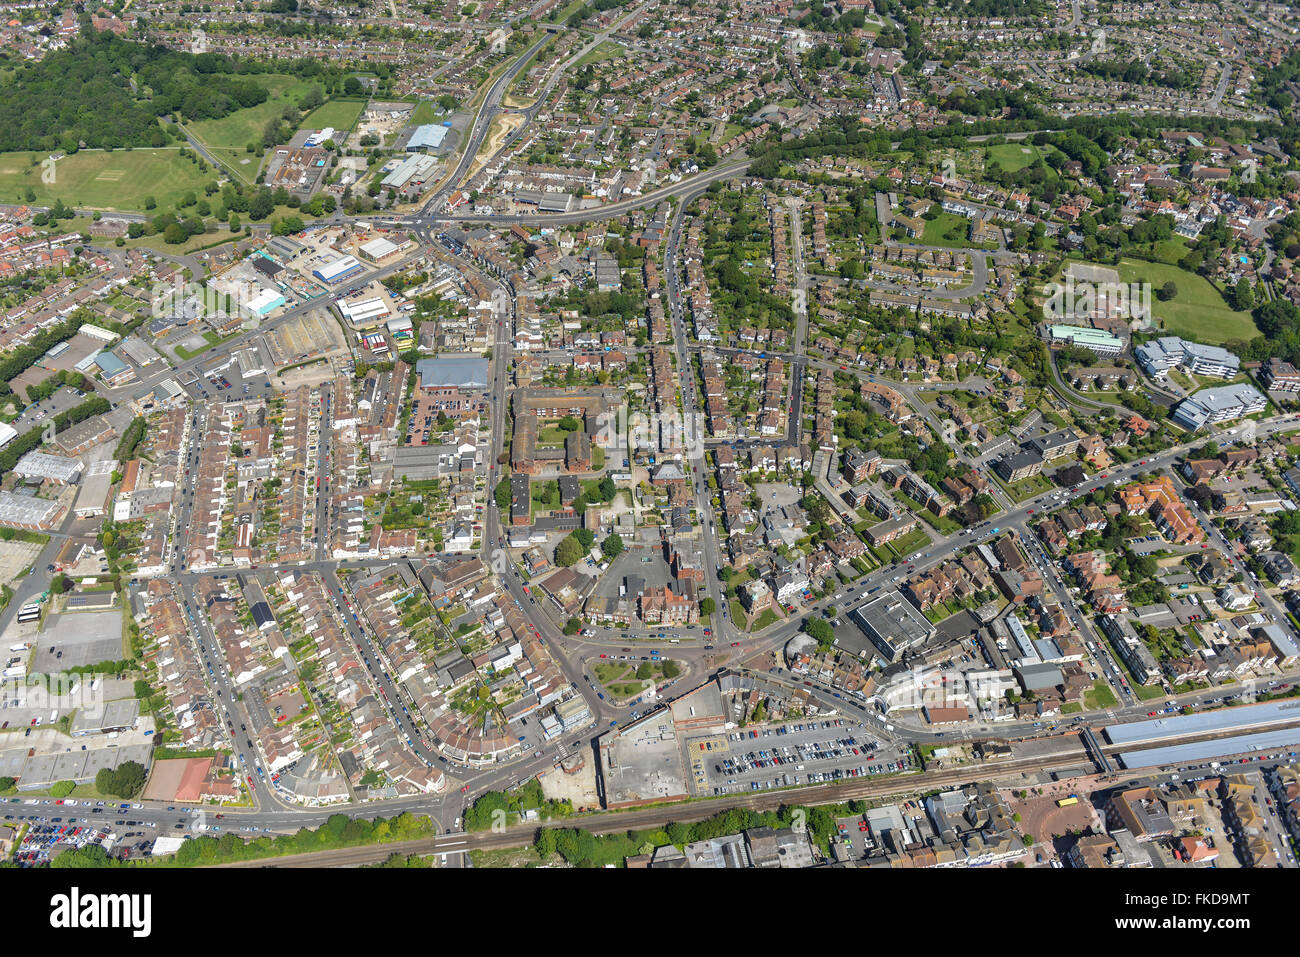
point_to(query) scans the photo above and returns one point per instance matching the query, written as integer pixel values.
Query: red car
(735, 644)
(1152, 714)
(464, 789)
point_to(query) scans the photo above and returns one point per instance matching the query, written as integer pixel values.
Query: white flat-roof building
(338, 270)
(48, 468)
(320, 136)
(365, 312)
(265, 301)
(97, 332)
(379, 248)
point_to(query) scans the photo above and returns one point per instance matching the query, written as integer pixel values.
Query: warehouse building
(462, 372)
(379, 249)
(29, 512)
(264, 302)
(413, 171)
(365, 312)
(427, 137)
(48, 468)
(338, 270)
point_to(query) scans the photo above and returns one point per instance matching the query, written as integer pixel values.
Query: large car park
(812, 751)
(45, 834)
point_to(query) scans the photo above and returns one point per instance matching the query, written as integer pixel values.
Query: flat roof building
(29, 512)
(338, 270)
(892, 624)
(265, 301)
(427, 137)
(1094, 340)
(464, 372)
(412, 171)
(364, 312)
(49, 468)
(377, 249)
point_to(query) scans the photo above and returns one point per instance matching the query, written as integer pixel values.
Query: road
(571, 653)
(478, 131)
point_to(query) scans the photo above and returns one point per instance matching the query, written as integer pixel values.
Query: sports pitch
(117, 180)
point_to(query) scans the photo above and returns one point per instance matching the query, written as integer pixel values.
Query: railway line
(1073, 753)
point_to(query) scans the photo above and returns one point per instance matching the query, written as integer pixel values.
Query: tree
(1168, 291)
(819, 630)
(352, 86)
(569, 551)
(502, 493)
(708, 606)
(88, 855)
(1243, 294)
(545, 843)
(612, 547)
(311, 99)
(572, 626)
(569, 423)
(125, 781)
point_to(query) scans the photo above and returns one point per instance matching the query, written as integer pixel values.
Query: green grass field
(244, 126)
(119, 180)
(1198, 310)
(607, 50)
(425, 113)
(244, 164)
(340, 114)
(947, 229)
(1012, 156)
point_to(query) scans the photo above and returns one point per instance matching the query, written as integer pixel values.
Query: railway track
(1072, 754)
(608, 822)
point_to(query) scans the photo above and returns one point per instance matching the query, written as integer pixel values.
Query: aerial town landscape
(665, 434)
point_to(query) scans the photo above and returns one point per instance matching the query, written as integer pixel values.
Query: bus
(1067, 802)
(29, 613)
